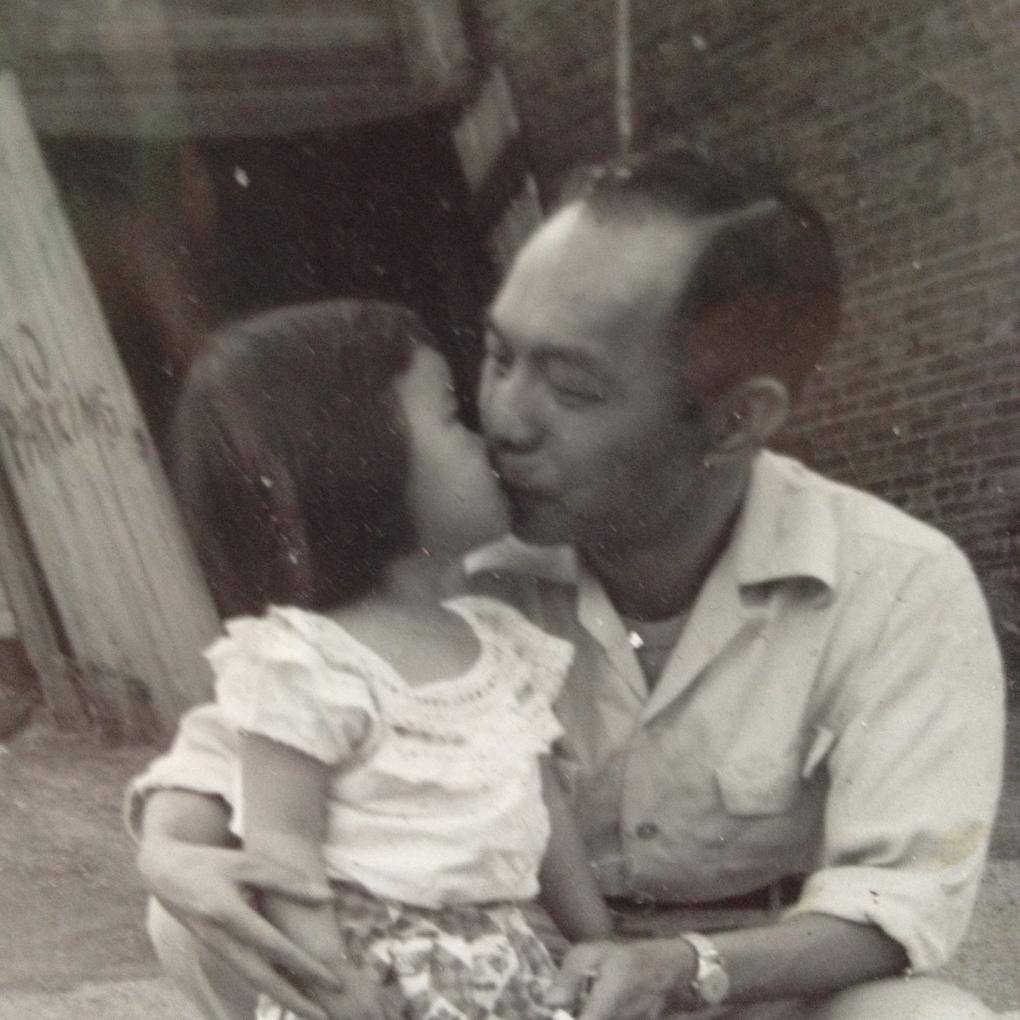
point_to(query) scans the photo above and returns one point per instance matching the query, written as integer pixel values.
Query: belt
(782, 893)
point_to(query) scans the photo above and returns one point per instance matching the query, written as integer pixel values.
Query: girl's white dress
(436, 824)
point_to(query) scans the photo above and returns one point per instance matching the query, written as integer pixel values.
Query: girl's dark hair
(291, 457)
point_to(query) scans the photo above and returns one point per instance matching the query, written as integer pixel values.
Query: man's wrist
(681, 996)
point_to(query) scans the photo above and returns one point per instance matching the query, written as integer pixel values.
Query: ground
(71, 904)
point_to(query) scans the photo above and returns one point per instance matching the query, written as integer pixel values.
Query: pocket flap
(755, 784)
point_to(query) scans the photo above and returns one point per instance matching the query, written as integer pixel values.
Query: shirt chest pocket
(754, 782)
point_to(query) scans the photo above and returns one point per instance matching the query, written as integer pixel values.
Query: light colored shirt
(435, 792)
(834, 707)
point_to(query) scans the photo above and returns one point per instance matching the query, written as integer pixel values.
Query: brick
(900, 121)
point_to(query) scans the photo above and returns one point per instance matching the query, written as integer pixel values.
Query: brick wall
(901, 120)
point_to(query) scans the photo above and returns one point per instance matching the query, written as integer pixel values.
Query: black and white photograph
(509, 509)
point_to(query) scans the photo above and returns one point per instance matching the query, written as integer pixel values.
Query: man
(785, 692)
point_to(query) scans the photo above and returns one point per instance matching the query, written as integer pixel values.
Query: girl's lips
(521, 481)
(526, 490)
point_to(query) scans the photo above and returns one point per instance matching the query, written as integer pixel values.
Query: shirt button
(647, 830)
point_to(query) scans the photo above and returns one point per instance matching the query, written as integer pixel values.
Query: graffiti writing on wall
(41, 415)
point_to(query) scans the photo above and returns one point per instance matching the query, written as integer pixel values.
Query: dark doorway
(377, 211)
(181, 236)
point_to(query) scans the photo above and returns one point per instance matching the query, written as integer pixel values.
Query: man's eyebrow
(546, 354)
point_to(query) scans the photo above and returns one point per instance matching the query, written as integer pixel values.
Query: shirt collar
(785, 531)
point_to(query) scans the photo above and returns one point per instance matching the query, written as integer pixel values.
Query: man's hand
(363, 998)
(625, 981)
(210, 890)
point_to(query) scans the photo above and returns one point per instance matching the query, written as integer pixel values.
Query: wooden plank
(487, 129)
(36, 628)
(84, 473)
(143, 30)
(194, 68)
(435, 47)
(487, 126)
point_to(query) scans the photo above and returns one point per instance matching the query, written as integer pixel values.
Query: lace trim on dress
(301, 678)
(538, 661)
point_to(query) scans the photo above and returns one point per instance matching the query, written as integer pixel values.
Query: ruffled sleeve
(273, 680)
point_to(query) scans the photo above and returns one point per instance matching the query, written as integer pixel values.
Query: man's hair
(291, 454)
(764, 295)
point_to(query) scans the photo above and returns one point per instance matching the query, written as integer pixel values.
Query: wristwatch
(711, 983)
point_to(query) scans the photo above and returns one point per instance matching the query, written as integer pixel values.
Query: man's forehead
(644, 238)
(579, 267)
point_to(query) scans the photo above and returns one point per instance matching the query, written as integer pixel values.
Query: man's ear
(746, 416)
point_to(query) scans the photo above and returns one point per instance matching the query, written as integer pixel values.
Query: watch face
(713, 985)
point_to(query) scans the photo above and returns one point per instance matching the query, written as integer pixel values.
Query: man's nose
(510, 412)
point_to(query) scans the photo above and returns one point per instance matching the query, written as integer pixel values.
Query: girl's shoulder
(290, 635)
(273, 636)
(291, 676)
(330, 638)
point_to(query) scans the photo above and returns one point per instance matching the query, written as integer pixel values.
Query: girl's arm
(284, 803)
(568, 889)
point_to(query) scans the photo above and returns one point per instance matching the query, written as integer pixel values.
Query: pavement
(71, 904)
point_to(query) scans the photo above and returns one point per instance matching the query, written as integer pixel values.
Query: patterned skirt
(465, 962)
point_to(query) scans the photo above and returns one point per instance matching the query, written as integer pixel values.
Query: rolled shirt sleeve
(915, 773)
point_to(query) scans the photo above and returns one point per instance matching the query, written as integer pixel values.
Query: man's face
(580, 398)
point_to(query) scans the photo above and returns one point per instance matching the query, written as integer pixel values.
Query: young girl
(390, 737)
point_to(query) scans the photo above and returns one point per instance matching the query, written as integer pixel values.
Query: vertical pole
(624, 118)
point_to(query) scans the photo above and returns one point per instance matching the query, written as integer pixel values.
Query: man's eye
(578, 396)
(576, 390)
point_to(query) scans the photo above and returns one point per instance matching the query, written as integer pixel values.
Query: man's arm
(914, 777)
(178, 811)
(808, 955)
(208, 887)
(916, 769)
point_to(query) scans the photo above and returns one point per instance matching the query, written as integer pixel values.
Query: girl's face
(451, 491)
